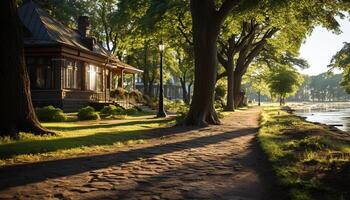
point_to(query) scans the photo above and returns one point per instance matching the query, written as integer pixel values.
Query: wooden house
(68, 68)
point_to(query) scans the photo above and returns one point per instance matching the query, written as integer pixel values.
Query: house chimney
(84, 26)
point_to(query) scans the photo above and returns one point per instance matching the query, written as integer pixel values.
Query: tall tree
(15, 88)
(341, 60)
(206, 23)
(284, 81)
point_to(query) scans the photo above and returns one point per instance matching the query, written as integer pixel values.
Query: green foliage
(304, 155)
(112, 110)
(341, 60)
(174, 106)
(323, 87)
(50, 114)
(284, 81)
(88, 113)
(131, 111)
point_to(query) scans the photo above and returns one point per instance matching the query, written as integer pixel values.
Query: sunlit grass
(306, 157)
(79, 138)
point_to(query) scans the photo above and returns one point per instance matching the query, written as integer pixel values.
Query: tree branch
(225, 9)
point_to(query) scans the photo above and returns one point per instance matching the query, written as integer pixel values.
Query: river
(337, 114)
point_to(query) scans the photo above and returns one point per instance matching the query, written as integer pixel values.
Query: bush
(137, 96)
(131, 111)
(50, 114)
(88, 113)
(220, 92)
(119, 93)
(112, 110)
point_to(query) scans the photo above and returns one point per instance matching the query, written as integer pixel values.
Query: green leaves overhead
(341, 60)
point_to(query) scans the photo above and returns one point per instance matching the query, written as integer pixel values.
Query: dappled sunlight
(80, 139)
(196, 162)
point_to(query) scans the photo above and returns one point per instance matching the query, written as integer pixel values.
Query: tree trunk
(230, 93)
(237, 93)
(259, 98)
(189, 93)
(15, 87)
(151, 89)
(184, 92)
(205, 33)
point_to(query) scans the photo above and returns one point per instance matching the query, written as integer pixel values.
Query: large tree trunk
(16, 99)
(205, 34)
(237, 93)
(230, 84)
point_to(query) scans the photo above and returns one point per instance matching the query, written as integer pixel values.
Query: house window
(94, 78)
(40, 72)
(71, 75)
(40, 77)
(99, 79)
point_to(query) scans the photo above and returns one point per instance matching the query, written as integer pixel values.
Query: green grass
(309, 161)
(78, 138)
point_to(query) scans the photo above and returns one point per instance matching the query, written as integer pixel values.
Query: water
(327, 113)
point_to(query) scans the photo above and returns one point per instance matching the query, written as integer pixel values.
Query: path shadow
(12, 176)
(210, 186)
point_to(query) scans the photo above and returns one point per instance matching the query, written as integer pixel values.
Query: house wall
(65, 82)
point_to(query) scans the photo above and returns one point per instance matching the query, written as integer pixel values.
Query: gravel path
(217, 162)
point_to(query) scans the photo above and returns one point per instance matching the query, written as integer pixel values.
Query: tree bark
(230, 92)
(151, 89)
(205, 27)
(15, 87)
(189, 92)
(184, 91)
(237, 93)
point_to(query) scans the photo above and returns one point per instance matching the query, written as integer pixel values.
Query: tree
(247, 44)
(206, 23)
(341, 60)
(283, 82)
(256, 80)
(16, 100)
(284, 27)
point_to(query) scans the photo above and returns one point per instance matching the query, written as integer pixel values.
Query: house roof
(45, 30)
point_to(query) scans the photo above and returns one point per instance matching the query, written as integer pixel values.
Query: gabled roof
(42, 29)
(46, 30)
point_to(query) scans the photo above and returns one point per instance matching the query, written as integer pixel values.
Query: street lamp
(161, 112)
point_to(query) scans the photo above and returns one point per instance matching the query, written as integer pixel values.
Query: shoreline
(325, 126)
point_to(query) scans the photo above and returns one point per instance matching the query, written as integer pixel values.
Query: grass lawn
(310, 161)
(79, 138)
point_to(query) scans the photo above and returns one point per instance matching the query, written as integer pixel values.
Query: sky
(319, 48)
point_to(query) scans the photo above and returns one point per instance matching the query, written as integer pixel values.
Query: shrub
(220, 92)
(112, 110)
(136, 95)
(181, 114)
(119, 93)
(88, 113)
(50, 114)
(131, 111)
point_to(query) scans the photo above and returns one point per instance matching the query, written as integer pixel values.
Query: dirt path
(217, 162)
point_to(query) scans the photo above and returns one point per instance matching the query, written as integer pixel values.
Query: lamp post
(161, 112)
